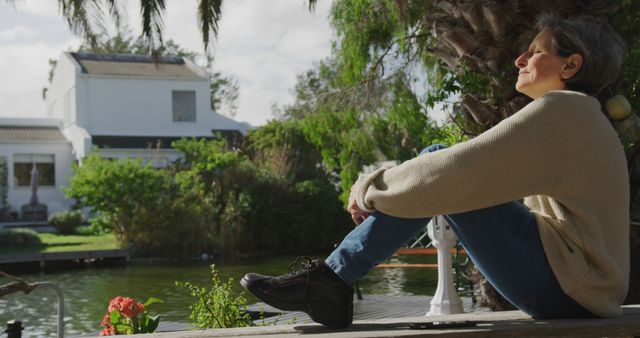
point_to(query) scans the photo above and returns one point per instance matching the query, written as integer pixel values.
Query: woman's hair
(602, 51)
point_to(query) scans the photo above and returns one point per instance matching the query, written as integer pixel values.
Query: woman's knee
(432, 148)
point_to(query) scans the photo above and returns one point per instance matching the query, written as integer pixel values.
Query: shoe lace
(301, 263)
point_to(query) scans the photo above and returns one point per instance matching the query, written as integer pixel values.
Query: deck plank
(370, 307)
(490, 324)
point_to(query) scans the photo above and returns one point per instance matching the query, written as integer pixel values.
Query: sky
(263, 44)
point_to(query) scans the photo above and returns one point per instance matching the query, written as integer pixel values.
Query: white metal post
(446, 299)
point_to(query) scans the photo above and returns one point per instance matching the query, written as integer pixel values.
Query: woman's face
(540, 67)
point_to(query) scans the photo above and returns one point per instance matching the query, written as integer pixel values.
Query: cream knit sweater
(563, 157)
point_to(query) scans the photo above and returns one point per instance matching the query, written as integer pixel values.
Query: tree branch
(18, 285)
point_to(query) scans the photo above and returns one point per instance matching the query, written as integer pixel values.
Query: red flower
(114, 304)
(128, 308)
(106, 320)
(108, 331)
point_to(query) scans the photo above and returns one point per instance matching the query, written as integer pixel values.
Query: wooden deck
(59, 256)
(370, 307)
(34, 261)
(487, 324)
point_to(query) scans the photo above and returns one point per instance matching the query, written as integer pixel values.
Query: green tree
(242, 186)
(281, 146)
(353, 125)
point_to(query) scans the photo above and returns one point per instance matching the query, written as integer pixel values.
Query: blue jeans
(502, 241)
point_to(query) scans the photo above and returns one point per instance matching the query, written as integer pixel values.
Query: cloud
(303, 44)
(38, 7)
(265, 44)
(30, 35)
(16, 33)
(25, 71)
(21, 26)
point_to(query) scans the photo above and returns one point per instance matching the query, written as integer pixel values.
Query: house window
(23, 165)
(184, 105)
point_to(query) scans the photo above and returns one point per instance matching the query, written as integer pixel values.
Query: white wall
(90, 104)
(143, 106)
(63, 86)
(53, 197)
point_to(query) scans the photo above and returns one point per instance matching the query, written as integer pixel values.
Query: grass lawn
(60, 243)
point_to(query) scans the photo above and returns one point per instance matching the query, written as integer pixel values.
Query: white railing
(446, 299)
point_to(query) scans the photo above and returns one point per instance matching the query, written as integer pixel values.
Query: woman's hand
(357, 215)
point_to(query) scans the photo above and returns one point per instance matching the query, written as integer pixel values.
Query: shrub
(306, 216)
(158, 211)
(118, 191)
(66, 222)
(19, 237)
(215, 200)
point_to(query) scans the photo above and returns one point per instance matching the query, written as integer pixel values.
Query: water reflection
(88, 291)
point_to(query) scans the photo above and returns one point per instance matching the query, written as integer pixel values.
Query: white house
(121, 105)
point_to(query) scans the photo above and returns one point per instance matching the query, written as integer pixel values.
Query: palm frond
(312, 5)
(114, 11)
(208, 16)
(78, 18)
(151, 12)
(86, 17)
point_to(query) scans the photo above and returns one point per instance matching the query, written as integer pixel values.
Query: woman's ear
(572, 66)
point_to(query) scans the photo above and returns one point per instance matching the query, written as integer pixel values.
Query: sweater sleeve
(526, 154)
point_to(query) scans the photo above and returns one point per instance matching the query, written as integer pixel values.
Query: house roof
(134, 65)
(30, 134)
(154, 142)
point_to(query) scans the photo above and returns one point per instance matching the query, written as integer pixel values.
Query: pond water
(88, 291)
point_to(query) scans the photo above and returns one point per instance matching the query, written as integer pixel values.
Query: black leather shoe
(311, 287)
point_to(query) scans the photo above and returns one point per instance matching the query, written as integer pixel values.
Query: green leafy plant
(126, 316)
(66, 222)
(217, 307)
